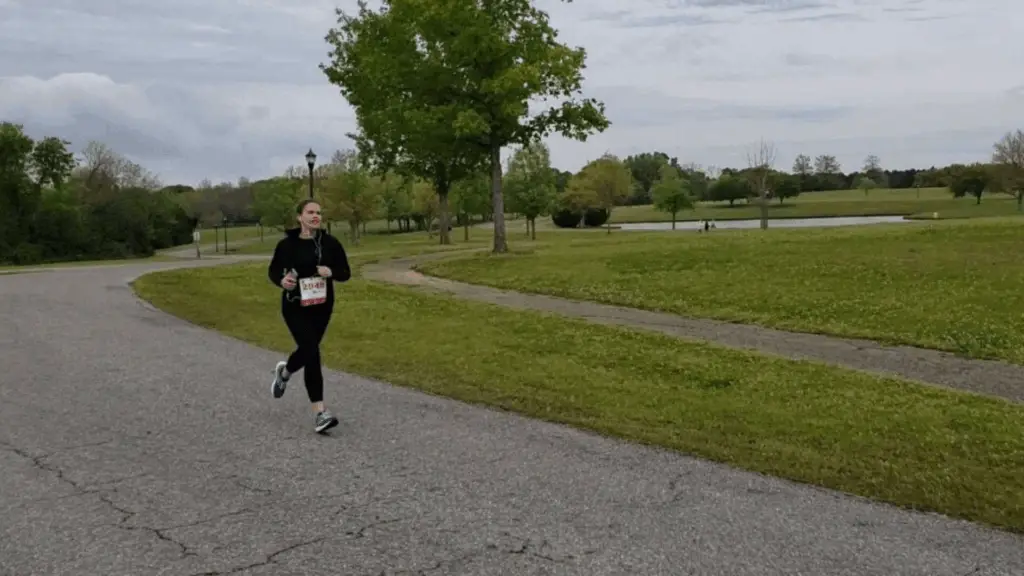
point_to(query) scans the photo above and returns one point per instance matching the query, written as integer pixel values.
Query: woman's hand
(323, 271)
(288, 282)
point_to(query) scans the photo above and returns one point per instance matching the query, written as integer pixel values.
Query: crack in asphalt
(38, 461)
(238, 482)
(270, 559)
(525, 546)
(541, 549)
(158, 532)
(361, 532)
(104, 494)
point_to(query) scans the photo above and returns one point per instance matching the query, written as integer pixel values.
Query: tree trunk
(608, 224)
(531, 225)
(497, 202)
(764, 209)
(673, 220)
(465, 229)
(364, 228)
(353, 226)
(1020, 200)
(443, 217)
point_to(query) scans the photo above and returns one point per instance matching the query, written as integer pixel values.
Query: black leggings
(307, 326)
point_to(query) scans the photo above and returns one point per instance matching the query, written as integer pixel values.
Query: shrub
(565, 218)
(596, 217)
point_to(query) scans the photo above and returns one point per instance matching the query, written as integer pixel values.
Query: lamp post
(310, 161)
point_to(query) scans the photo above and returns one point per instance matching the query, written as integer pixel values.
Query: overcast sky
(226, 88)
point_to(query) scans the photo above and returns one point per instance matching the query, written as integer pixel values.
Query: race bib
(313, 291)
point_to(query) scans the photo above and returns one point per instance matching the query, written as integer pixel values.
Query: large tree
(52, 162)
(406, 95)
(425, 202)
(274, 202)
(646, 170)
(610, 181)
(471, 196)
(785, 186)
(972, 180)
(530, 184)
(828, 172)
(351, 193)
(730, 188)
(873, 170)
(473, 68)
(671, 192)
(396, 198)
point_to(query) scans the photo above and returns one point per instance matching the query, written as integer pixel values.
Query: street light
(310, 161)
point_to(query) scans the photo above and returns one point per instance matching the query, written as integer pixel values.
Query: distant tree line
(56, 207)
(822, 173)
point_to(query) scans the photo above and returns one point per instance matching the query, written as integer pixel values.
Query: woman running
(306, 263)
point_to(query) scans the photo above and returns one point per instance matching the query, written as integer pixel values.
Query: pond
(772, 223)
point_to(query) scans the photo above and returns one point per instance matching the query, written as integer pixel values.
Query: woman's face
(310, 217)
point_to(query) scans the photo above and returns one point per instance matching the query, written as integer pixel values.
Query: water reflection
(774, 223)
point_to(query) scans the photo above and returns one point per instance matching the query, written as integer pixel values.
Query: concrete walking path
(992, 378)
(134, 443)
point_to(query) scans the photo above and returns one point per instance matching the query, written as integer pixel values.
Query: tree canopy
(530, 184)
(440, 87)
(671, 192)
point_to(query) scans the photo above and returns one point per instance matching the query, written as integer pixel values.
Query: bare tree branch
(1008, 156)
(761, 162)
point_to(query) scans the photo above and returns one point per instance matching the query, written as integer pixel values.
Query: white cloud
(227, 88)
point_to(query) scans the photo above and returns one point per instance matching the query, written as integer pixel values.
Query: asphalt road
(133, 443)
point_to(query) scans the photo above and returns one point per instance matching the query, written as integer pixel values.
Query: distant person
(707, 226)
(306, 263)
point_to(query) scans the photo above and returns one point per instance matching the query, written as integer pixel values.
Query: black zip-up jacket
(303, 254)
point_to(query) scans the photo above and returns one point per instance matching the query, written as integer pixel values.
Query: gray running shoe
(325, 421)
(280, 383)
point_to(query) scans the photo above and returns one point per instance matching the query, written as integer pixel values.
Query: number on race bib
(313, 291)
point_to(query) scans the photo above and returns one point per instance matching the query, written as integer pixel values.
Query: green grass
(837, 203)
(882, 438)
(955, 285)
(969, 209)
(212, 236)
(386, 245)
(78, 263)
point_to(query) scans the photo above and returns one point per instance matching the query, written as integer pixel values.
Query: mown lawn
(929, 203)
(378, 246)
(956, 285)
(883, 438)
